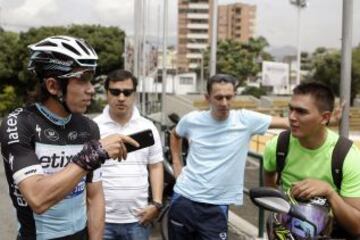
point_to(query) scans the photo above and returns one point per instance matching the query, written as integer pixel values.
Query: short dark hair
(324, 97)
(120, 75)
(218, 78)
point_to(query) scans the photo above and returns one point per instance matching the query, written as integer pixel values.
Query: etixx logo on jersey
(51, 134)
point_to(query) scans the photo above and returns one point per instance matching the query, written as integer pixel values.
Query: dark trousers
(82, 235)
(189, 220)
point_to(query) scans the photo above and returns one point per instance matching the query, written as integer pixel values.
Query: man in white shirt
(126, 183)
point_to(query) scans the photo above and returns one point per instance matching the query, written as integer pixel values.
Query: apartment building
(235, 21)
(194, 31)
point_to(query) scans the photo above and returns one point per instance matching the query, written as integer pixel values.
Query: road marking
(241, 226)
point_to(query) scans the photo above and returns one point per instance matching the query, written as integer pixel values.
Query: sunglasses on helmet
(116, 92)
(85, 75)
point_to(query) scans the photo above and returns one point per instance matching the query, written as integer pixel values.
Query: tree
(326, 68)
(107, 41)
(8, 100)
(240, 59)
(254, 91)
(305, 59)
(8, 42)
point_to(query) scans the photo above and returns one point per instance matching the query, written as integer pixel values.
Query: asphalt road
(8, 224)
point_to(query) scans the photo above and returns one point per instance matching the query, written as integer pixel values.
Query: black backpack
(339, 153)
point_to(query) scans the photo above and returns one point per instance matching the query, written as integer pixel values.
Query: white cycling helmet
(60, 54)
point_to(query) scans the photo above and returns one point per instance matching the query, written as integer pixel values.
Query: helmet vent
(70, 48)
(82, 47)
(87, 61)
(46, 44)
(89, 47)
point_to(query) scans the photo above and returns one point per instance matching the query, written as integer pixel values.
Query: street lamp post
(213, 38)
(299, 4)
(164, 52)
(143, 57)
(345, 82)
(203, 85)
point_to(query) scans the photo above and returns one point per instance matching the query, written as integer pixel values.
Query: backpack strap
(340, 151)
(281, 152)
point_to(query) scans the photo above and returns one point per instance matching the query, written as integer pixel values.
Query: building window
(186, 81)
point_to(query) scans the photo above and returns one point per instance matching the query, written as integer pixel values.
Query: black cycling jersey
(32, 144)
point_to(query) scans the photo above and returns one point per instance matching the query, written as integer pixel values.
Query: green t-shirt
(302, 163)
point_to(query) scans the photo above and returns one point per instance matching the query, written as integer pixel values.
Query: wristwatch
(159, 206)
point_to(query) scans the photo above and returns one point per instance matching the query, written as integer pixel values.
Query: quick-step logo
(12, 129)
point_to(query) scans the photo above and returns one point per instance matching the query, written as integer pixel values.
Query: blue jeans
(189, 220)
(126, 231)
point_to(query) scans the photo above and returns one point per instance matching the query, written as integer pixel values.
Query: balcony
(197, 36)
(193, 65)
(197, 16)
(197, 26)
(198, 6)
(197, 45)
(193, 55)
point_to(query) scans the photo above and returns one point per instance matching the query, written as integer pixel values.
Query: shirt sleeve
(17, 147)
(270, 155)
(350, 186)
(156, 152)
(182, 126)
(258, 123)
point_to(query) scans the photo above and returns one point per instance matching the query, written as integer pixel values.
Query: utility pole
(164, 71)
(299, 4)
(0, 19)
(136, 38)
(213, 38)
(157, 58)
(143, 56)
(346, 54)
(202, 82)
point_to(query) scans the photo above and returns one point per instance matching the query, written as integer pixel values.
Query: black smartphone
(144, 138)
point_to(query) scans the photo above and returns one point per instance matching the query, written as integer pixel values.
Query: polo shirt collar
(107, 118)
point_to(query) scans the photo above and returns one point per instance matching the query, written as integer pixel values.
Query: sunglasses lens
(117, 92)
(114, 92)
(127, 92)
(87, 76)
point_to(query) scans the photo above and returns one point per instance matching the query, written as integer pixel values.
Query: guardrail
(261, 217)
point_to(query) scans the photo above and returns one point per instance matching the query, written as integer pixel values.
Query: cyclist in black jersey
(52, 153)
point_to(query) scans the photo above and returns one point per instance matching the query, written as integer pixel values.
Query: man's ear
(326, 116)
(207, 96)
(52, 86)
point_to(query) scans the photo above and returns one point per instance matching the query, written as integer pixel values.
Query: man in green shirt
(307, 170)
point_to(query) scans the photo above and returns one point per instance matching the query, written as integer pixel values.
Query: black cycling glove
(91, 156)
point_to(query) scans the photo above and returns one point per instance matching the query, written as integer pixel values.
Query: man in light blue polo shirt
(214, 173)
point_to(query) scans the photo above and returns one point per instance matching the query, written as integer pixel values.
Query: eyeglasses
(85, 75)
(116, 92)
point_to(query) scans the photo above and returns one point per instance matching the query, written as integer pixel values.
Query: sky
(276, 20)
